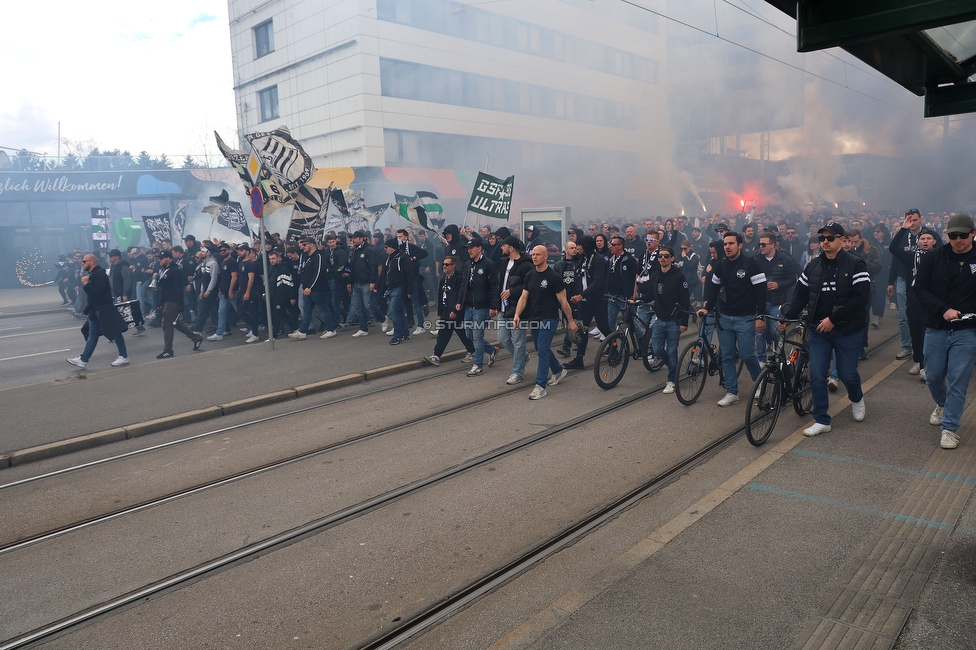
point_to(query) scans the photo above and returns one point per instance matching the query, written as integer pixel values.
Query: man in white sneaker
(945, 285)
(835, 288)
(103, 317)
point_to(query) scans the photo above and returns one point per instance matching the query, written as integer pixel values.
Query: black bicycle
(698, 361)
(785, 377)
(615, 352)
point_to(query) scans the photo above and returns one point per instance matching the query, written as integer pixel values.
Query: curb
(41, 312)
(87, 441)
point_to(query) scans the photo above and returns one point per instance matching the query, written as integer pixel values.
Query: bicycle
(785, 377)
(615, 352)
(698, 361)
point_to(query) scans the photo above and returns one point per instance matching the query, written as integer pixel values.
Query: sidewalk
(29, 300)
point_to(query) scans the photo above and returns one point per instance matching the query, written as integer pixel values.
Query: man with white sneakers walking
(835, 288)
(103, 318)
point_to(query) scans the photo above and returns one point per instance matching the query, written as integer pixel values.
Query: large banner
(275, 196)
(157, 228)
(99, 221)
(492, 197)
(228, 214)
(310, 212)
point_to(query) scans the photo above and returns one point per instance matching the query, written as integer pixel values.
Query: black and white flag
(157, 228)
(492, 196)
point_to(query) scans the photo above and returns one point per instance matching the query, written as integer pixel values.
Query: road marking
(10, 329)
(36, 354)
(63, 329)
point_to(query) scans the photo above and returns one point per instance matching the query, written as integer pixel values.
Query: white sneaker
(251, 339)
(360, 333)
(468, 358)
(513, 379)
(594, 331)
(475, 371)
(668, 388)
(419, 330)
(903, 354)
(921, 375)
(219, 337)
(832, 385)
(601, 338)
(729, 400)
(950, 439)
(816, 429)
(555, 379)
(328, 335)
(121, 361)
(914, 369)
(77, 362)
(298, 336)
(387, 324)
(538, 392)
(857, 408)
(389, 332)
(936, 418)
(433, 360)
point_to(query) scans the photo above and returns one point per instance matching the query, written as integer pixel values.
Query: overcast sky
(123, 74)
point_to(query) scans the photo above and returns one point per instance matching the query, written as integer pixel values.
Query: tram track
(461, 597)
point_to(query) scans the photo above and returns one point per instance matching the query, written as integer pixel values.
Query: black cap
(475, 241)
(162, 254)
(721, 226)
(243, 247)
(833, 227)
(362, 234)
(189, 238)
(115, 252)
(223, 245)
(306, 239)
(514, 242)
(392, 242)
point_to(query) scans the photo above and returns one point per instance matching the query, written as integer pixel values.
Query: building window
(268, 100)
(263, 39)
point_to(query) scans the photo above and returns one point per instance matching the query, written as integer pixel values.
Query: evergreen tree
(144, 161)
(190, 163)
(164, 163)
(70, 162)
(126, 161)
(93, 160)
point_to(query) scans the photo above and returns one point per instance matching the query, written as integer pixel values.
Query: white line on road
(63, 329)
(36, 354)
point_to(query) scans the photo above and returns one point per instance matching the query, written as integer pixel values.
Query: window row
(473, 24)
(442, 86)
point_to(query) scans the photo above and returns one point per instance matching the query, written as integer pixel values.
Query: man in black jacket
(449, 320)
(515, 263)
(103, 317)
(315, 289)
(170, 282)
(945, 285)
(363, 272)
(669, 292)
(396, 281)
(591, 302)
(781, 275)
(835, 288)
(481, 300)
(284, 294)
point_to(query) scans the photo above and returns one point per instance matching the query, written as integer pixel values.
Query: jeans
(542, 338)
(223, 312)
(513, 339)
(318, 301)
(397, 314)
(846, 348)
(664, 339)
(949, 359)
(336, 291)
(142, 295)
(647, 314)
(612, 310)
(418, 305)
(901, 299)
(93, 333)
(771, 335)
(738, 332)
(362, 305)
(474, 327)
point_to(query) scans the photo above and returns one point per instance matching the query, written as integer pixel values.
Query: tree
(26, 161)
(190, 163)
(93, 160)
(164, 163)
(70, 162)
(144, 161)
(126, 161)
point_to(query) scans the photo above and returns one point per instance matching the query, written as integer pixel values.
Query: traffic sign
(257, 202)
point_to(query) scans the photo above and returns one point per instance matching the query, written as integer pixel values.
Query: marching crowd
(839, 275)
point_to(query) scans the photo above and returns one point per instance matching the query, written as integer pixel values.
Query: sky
(117, 74)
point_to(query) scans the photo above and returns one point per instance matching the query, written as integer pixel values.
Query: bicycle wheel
(802, 396)
(762, 411)
(612, 358)
(692, 373)
(646, 354)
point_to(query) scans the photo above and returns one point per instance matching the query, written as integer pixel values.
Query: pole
(267, 283)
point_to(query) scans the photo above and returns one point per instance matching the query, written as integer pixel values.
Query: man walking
(515, 264)
(103, 318)
(835, 288)
(171, 286)
(544, 294)
(946, 287)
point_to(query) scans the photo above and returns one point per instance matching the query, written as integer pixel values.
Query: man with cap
(835, 288)
(169, 280)
(945, 285)
(252, 285)
(481, 300)
(315, 291)
(119, 275)
(515, 263)
(205, 287)
(363, 273)
(396, 281)
(899, 279)
(226, 285)
(103, 317)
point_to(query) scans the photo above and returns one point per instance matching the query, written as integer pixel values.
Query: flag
(413, 209)
(283, 158)
(179, 220)
(361, 216)
(492, 197)
(228, 213)
(157, 227)
(275, 195)
(309, 214)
